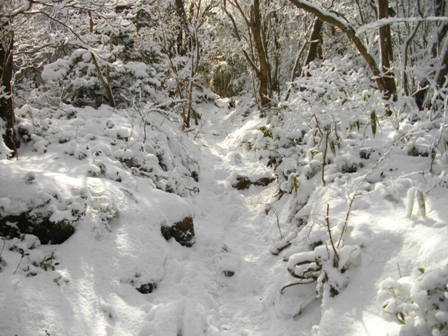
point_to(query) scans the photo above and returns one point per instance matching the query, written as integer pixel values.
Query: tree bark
(263, 73)
(439, 10)
(442, 75)
(386, 50)
(315, 42)
(6, 74)
(104, 81)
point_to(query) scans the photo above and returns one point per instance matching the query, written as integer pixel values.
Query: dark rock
(147, 288)
(365, 154)
(195, 176)
(264, 181)
(38, 225)
(182, 232)
(349, 168)
(243, 183)
(229, 274)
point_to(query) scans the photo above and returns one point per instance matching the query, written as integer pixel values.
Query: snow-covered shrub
(118, 145)
(322, 143)
(76, 80)
(319, 133)
(32, 259)
(315, 252)
(418, 302)
(228, 78)
(325, 266)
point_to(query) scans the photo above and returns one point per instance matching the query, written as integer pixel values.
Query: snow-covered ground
(229, 282)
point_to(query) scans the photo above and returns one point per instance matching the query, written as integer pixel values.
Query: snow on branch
(392, 20)
(323, 14)
(349, 31)
(23, 7)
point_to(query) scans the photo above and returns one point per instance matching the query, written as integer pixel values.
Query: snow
(55, 71)
(139, 69)
(387, 21)
(229, 282)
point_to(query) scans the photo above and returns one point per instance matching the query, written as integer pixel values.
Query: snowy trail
(234, 236)
(235, 222)
(226, 277)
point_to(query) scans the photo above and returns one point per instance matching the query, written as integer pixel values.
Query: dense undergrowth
(333, 143)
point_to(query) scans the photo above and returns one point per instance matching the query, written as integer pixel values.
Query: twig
(21, 258)
(439, 140)
(278, 222)
(352, 198)
(200, 128)
(327, 221)
(324, 157)
(296, 284)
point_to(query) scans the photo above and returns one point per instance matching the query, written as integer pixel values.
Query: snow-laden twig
(327, 222)
(392, 20)
(278, 222)
(355, 192)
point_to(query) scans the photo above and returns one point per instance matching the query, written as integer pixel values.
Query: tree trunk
(315, 43)
(439, 10)
(6, 74)
(104, 81)
(263, 72)
(442, 75)
(422, 96)
(386, 50)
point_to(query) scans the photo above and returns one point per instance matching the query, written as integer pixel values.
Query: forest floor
(229, 282)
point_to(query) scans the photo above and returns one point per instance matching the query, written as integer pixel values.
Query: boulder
(26, 223)
(243, 182)
(147, 288)
(182, 232)
(264, 181)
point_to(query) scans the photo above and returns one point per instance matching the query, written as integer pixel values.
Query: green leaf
(422, 270)
(373, 122)
(401, 318)
(333, 147)
(421, 203)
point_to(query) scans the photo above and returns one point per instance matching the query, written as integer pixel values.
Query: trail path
(227, 278)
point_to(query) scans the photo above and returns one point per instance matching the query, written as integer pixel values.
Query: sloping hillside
(265, 218)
